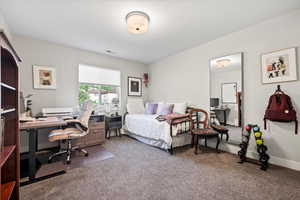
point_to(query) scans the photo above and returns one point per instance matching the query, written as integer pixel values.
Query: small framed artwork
(279, 66)
(44, 77)
(134, 86)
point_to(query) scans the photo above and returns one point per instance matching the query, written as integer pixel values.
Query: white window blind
(97, 75)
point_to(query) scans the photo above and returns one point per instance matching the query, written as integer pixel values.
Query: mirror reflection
(226, 95)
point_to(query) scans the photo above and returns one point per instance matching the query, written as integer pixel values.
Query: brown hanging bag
(280, 109)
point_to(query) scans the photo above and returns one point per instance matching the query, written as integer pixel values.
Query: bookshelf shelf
(5, 154)
(8, 111)
(7, 189)
(8, 86)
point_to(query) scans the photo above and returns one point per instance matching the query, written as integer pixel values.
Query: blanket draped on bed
(174, 118)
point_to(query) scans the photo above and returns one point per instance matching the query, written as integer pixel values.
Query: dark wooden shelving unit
(10, 153)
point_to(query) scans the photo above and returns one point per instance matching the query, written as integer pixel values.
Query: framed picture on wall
(44, 77)
(279, 66)
(134, 86)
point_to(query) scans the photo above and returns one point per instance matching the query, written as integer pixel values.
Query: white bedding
(147, 126)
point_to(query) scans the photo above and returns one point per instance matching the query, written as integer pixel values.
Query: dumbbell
(248, 128)
(260, 142)
(255, 128)
(261, 149)
(264, 158)
(258, 134)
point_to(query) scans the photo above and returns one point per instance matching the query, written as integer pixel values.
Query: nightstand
(113, 123)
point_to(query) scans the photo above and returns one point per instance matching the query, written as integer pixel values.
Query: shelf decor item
(134, 86)
(146, 79)
(44, 77)
(279, 66)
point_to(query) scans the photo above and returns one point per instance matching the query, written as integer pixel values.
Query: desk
(224, 110)
(32, 128)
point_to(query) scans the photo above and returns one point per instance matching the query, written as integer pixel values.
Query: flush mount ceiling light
(137, 22)
(223, 62)
(109, 51)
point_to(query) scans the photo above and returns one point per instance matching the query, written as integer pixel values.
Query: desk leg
(225, 118)
(32, 150)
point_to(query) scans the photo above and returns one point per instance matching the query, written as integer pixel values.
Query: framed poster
(134, 86)
(44, 77)
(279, 66)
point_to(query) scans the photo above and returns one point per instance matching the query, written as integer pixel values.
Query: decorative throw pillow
(180, 108)
(136, 107)
(165, 109)
(151, 108)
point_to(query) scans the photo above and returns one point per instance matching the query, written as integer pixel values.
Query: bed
(166, 135)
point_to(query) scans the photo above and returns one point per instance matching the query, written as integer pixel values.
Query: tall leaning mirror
(226, 91)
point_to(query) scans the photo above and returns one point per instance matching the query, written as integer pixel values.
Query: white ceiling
(98, 25)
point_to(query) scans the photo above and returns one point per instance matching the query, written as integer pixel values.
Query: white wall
(4, 26)
(185, 77)
(66, 61)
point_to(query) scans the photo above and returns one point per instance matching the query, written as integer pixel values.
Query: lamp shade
(137, 22)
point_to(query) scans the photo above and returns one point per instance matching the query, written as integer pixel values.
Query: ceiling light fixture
(137, 22)
(109, 51)
(223, 62)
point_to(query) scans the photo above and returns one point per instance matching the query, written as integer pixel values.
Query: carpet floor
(138, 171)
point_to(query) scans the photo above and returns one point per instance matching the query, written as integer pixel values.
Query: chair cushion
(205, 132)
(63, 134)
(220, 129)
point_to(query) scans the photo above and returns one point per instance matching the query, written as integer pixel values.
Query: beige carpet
(138, 172)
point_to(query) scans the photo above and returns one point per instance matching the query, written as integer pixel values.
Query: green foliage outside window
(85, 91)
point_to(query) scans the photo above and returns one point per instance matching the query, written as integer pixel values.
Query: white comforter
(147, 126)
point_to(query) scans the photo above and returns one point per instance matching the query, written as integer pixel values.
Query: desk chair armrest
(76, 123)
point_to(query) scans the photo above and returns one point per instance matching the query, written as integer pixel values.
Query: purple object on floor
(151, 108)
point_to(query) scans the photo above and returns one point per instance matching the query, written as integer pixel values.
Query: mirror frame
(233, 142)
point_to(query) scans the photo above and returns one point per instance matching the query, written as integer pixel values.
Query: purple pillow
(151, 108)
(165, 109)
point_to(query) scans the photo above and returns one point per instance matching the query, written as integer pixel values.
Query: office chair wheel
(86, 155)
(49, 161)
(68, 162)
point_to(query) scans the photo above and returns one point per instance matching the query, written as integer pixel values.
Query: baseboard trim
(291, 164)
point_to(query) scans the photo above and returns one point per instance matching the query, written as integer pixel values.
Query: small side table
(113, 123)
(224, 111)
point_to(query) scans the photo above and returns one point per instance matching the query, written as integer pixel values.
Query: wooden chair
(204, 132)
(221, 130)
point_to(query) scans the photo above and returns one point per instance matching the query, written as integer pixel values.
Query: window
(101, 86)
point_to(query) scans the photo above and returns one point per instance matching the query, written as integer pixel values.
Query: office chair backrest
(86, 114)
